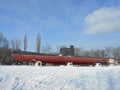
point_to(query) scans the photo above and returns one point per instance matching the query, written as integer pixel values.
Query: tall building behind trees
(67, 51)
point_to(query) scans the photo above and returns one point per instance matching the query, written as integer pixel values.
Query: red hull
(59, 60)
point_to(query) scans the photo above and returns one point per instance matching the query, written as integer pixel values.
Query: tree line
(108, 52)
(16, 44)
(5, 49)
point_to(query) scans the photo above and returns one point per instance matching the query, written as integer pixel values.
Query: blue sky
(91, 24)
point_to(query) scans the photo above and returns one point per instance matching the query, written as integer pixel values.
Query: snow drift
(59, 78)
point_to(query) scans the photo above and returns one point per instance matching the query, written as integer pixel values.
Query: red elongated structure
(59, 60)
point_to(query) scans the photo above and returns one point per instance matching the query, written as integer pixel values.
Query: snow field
(59, 78)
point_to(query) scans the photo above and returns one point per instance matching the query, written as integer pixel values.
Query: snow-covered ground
(59, 78)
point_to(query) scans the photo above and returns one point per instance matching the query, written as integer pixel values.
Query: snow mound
(59, 78)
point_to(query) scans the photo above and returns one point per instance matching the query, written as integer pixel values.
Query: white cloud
(104, 20)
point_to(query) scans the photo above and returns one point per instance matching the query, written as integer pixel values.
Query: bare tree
(116, 52)
(1, 38)
(119, 52)
(98, 54)
(86, 53)
(38, 42)
(46, 49)
(109, 51)
(81, 51)
(25, 42)
(4, 46)
(91, 53)
(58, 50)
(77, 51)
(13, 44)
(102, 53)
(3, 41)
(16, 44)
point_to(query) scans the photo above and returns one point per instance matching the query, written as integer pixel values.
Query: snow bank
(59, 78)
